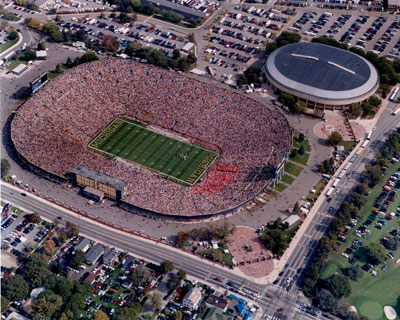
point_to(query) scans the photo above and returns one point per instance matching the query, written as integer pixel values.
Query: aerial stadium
(152, 139)
(321, 76)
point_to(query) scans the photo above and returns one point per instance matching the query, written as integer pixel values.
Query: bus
(335, 183)
(341, 174)
(394, 94)
(365, 143)
(395, 111)
(369, 135)
(330, 191)
(360, 151)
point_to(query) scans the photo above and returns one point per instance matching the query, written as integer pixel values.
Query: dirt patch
(249, 253)
(8, 260)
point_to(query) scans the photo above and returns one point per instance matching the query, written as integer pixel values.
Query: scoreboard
(280, 166)
(37, 83)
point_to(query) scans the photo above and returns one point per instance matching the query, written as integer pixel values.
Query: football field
(133, 142)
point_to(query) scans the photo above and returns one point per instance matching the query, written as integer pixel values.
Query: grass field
(287, 179)
(293, 169)
(301, 158)
(280, 186)
(135, 143)
(8, 44)
(370, 294)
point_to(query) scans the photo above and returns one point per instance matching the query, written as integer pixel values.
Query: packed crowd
(53, 128)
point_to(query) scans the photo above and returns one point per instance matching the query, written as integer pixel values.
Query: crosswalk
(282, 291)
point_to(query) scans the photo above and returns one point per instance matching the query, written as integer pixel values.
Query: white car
(345, 255)
(397, 261)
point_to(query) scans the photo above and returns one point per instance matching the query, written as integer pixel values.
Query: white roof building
(292, 220)
(192, 298)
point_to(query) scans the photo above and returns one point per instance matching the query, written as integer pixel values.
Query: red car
(218, 279)
(279, 310)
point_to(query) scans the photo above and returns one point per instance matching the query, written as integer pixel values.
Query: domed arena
(321, 75)
(181, 147)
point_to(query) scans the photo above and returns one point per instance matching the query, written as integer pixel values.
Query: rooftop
(321, 71)
(100, 177)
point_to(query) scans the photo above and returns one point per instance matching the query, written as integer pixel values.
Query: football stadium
(321, 76)
(156, 141)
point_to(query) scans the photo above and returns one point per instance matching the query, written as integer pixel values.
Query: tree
(391, 243)
(288, 100)
(173, 281)
(176, 54)
(300, 138)
(88, 57)
(13, 35)
(354, 272)
(341, 309)
(78, 259)
(156, 301)
(34, 218)
(375, 253)
(139, 275)
(182, 274)
(75, 304)
(275, 241)
(125, 314)
(72, 229)
(4, 305)
(355, 110)
(338, 285)
(302, 150)
(324, 299)
(45, 306)
(177, 314)
(182, 238)
(28, 55)
(166, 266)
(299, 107)
(14, 288)
(34, 23)
(36, 269)
(4, 167)
(335, 138)
(100, 315)
(49, 247)
(63, 287)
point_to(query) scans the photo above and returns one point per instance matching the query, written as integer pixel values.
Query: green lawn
(304, 143)
(348, 145)
(8, 44)
(226, 257)
(287, 179)
(160, 153)
(301, 158)
(293, 169)
(280, 186)
(370, 294)
(318, 189)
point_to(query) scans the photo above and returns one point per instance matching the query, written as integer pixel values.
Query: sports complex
(321, 76)
(172, 145)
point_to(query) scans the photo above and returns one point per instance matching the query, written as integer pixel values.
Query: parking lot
(163, 39)
(237, 39)
(364, 31)
(17, 232)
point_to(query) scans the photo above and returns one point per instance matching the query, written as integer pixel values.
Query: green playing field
(133, 142)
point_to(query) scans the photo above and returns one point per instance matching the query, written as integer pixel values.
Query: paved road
(146, 249)
(304, 250)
